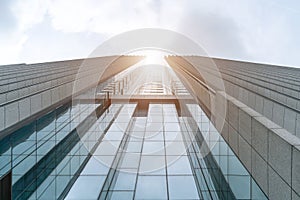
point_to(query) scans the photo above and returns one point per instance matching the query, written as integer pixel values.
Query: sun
(152, 57)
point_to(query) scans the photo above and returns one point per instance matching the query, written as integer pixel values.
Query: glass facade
(160, 156)
(44, 149)
(142, 149)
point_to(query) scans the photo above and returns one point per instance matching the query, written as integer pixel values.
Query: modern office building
(117, 128)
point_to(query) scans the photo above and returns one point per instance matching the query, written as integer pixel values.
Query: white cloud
(263, 31)
(108, 17)
(27, 14)
(11, 47)
(251, 30)
(50, 45)
(83, 16)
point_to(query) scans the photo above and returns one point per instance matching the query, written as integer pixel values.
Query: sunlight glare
(153, 57)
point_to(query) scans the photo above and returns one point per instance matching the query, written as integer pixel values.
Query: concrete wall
(28, 89)
(273, 91)
(261, 121)
(269, 152)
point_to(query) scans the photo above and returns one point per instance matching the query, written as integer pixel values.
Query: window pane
(151, 187)
(182, 187)
(179, 165)
(125, 181)
(86, 187)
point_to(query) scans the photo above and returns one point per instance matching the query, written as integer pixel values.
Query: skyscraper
(178, 130)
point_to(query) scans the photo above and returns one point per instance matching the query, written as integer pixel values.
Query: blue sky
(264, 31)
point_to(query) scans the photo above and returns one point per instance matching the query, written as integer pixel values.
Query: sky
(264, 31)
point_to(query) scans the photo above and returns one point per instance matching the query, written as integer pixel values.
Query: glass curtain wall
(122, 154)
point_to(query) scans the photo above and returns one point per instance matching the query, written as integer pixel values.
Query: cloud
(17, 17)
(68, 18)
(51, 45)
(8, 20)
(254, 30)
(257, 31)
(109, 17)
(29, 13)
(270, 33)
(218, 35)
